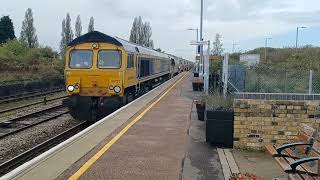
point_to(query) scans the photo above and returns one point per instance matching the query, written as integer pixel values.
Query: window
(109, 59)
(81, 59)
(130, 62)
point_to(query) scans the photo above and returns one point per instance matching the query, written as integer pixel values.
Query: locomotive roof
(96, 36)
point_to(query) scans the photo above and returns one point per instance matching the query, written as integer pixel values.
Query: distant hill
(305, 58)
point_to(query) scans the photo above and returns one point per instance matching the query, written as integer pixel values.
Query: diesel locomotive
(104, 72)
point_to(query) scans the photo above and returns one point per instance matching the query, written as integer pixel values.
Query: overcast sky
(244, 22)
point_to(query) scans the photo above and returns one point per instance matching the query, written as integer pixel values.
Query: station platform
(153, 137)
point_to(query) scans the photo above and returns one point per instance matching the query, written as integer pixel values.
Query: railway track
(20, 123)
(17, 97)
(35, 151)
(32, 104)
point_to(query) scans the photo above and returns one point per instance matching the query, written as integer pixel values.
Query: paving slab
(258, 163)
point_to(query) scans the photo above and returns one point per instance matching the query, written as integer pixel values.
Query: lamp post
(265, 49)
(297, 35)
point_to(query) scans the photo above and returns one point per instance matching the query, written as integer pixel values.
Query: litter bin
(219, 128)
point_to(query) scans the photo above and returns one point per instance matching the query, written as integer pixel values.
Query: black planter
(200, 111)
(196, 86)
(195, 74)
(219, 128)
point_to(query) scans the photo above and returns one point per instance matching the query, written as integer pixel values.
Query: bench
(309, 167)
(299, 160)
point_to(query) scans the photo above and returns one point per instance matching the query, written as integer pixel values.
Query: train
(103, 73)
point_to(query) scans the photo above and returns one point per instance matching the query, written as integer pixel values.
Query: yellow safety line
(94, 158)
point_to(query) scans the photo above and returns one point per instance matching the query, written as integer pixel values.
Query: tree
(78, 28)
(28, 31)
(68, 30)
(146, 34)
(134, 34)
(217, 46)
(6, 29)
(66, 34)
(63, 44)
(141, 33)
(91, 25)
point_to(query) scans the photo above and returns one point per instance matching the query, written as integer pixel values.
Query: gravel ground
(24, 111)
(15, 144)
(13, 104)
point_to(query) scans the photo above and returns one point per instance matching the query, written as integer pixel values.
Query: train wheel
(73, 113)
(124, 99)
(94, 110)
(130, 97)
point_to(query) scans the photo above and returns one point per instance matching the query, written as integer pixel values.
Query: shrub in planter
(219, 120)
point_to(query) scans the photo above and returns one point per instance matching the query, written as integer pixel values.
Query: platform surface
(154, 148)
(165, 143)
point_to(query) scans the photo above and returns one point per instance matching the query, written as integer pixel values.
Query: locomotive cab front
(94, 78)
(94, 72)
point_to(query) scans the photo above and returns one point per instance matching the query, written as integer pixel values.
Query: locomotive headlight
(117, 89)
(70, 88)
(95, 46)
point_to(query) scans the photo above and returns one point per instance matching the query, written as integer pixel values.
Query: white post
(201, 45)
(310, 81)
(225, 74)
(206, 70)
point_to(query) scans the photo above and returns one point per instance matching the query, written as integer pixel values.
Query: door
(131, 70)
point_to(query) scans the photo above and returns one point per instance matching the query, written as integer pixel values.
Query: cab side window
(130, 61)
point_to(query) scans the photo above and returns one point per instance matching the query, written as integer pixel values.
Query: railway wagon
(103, 72)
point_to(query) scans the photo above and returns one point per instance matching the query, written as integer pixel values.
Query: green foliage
(217, 49)
(91, 25)
(28, 31)
(6, 29)
(215, 66)
(19, 62)
(78, 27)
(141, 33)
(66, 34)
(234, 58)
(304, 58)
(216, 101)
(286, 70)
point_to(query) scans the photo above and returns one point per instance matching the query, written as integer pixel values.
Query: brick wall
(258, 122)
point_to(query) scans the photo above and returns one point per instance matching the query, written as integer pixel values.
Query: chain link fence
(264, 78)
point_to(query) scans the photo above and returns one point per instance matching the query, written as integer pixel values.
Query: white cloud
(236, 20)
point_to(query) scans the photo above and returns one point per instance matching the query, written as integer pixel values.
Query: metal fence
(264, 78)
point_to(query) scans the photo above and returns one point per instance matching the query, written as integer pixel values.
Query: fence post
(286, 82)
(310, 81)
(225, 74)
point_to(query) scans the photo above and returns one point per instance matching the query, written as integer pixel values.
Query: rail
(33, 152)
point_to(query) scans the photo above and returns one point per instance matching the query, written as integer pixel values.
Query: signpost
(205, 66)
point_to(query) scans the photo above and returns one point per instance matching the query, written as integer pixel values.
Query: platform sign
(198, 43)
(250, 59)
